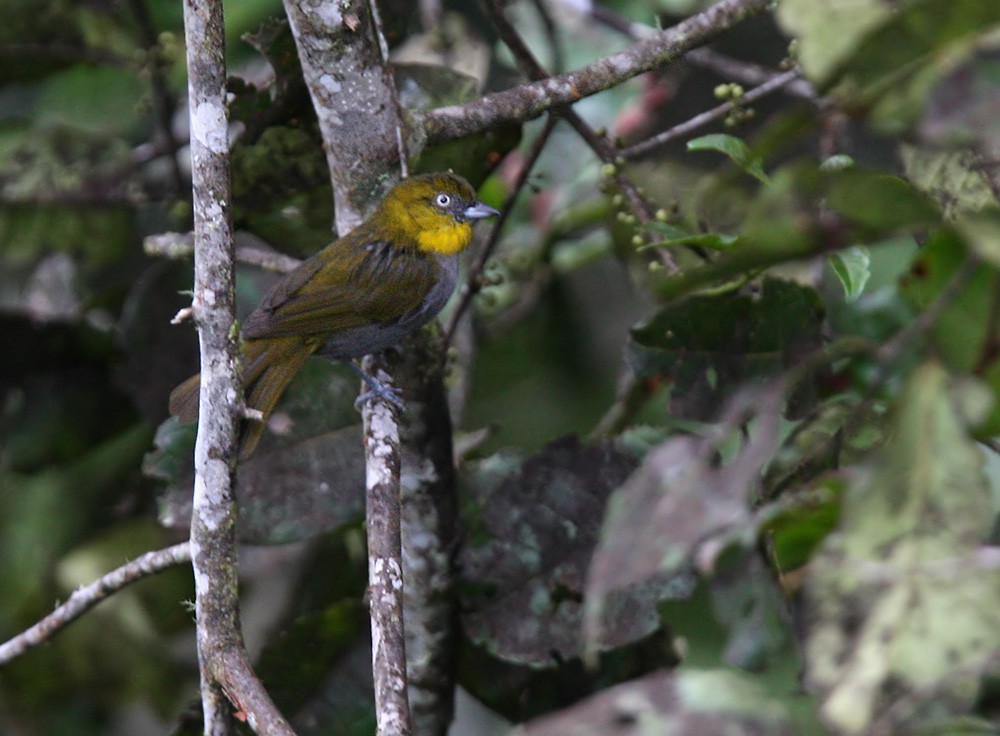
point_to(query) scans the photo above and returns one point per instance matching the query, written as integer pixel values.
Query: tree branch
(598, 143)
(88, 596)
(354, 101)
(531, 100)
(689, 126)
(250, 250)
(362, 132)
(473, 283)
(225, 668)
(385, 570)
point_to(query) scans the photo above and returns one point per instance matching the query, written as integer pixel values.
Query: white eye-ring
(442, 200)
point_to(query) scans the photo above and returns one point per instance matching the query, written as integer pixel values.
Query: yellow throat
(446, 240)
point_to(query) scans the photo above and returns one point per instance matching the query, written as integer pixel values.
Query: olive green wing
(364, 283)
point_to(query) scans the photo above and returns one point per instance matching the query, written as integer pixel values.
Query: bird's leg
(377, 389)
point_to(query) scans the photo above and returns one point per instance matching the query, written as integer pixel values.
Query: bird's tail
(269, 366)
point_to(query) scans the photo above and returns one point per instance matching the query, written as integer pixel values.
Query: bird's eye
(442, 200)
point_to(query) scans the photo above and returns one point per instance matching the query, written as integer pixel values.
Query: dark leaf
(537, 520)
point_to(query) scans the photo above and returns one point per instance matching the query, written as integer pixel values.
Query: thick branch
(359, 120)
(531, 100)
(428, 512)
(88, 596)
(354, 102)
(225, 670)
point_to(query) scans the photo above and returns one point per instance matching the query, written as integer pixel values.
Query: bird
(361, 294)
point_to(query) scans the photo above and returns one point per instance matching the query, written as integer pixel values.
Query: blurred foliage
(786, 465)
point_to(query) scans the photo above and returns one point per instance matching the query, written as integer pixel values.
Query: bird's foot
(376, 390)
(379, 391)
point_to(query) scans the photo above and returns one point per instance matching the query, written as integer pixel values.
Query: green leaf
(964, 333)
(954, 179)
(733, 147)
(853, 267)
(676, 236)
(829, 32)
(96, 98)
(897, 610)
(878, 203)
(982, 235)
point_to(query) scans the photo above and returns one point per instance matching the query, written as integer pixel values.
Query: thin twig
(722, 65)
(383, 45)
(532, 100)
(702, 119)
(175, 246)
(474, 282)
(747, 72)
(551, 33)
(599, 144)
(88, 596)
(901, 341)
(224, 665)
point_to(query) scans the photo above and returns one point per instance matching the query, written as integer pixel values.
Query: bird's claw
(380, 391)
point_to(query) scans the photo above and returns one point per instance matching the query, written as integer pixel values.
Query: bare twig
(225, 668)
(88, 596)
(602, 147)
(474, 282)
(551, 33)
(252, 251)
(532, 100)
(747, 72)
(733, 69)
(385, 571)
(383, 46)
(701, 119)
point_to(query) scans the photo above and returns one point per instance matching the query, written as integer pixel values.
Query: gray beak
(478, 211)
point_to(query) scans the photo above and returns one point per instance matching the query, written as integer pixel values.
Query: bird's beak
(478, 211)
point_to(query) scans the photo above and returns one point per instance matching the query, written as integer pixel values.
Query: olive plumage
(362, 293)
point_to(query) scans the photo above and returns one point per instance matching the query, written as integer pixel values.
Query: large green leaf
(829, 31)
(901, 620)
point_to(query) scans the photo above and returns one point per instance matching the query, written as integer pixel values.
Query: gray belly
(376, 337)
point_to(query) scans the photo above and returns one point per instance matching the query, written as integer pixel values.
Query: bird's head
(435, 211)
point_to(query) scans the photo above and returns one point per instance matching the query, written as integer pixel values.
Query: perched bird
(361, 294)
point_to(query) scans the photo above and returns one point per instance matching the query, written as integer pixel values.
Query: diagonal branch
(88, 596)
(704, 118)
(531, 100)
(598, 143)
